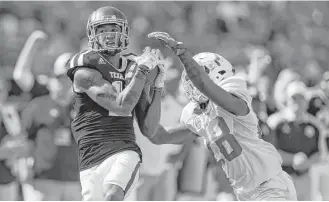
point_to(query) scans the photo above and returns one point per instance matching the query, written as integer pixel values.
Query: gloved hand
(147, 59)
(163, 67)
(168, 41)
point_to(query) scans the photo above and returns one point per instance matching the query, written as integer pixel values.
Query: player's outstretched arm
(103, 93)
(22, 72)
(148, 111)
(200, 79)
(179, 134)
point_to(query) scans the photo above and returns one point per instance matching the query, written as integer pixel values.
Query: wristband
(159, 90)
(143, 69)
(179, 49)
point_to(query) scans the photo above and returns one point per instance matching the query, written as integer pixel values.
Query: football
(151, 76)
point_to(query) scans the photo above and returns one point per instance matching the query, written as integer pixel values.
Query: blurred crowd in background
(281, 48)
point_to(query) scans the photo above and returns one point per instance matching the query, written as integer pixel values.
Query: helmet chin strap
(107, 52)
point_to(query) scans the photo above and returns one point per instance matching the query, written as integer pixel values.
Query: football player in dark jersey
(105, 102)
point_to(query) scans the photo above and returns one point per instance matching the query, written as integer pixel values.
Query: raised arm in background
(22, 71)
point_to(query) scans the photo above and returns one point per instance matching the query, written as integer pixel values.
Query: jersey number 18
(228, 145)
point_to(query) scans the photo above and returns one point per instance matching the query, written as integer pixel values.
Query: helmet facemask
(111, 42)
(191, 91)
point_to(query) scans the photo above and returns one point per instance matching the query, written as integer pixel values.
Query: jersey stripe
(130, 72)
(124, 64)
(77, 59)
(72, 60)
(80, 59)
(129, 58)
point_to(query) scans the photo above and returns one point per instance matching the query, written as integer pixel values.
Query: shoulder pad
(86, 59)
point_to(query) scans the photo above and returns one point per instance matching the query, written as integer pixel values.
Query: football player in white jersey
(220, 113)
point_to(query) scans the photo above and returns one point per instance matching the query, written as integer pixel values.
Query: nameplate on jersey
(116, 75)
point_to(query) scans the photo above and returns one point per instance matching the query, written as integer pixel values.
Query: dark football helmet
(104, 16)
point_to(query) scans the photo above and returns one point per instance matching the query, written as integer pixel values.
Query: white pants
(121, 169)
(279, 188)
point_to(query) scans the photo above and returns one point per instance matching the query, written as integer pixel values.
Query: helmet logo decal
(109, 17)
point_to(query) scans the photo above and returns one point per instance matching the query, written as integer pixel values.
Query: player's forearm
(193, 70)
(24, 79)
(149, 115)
(129, 97)
(22, 72)
(142, 106)
(177, 135)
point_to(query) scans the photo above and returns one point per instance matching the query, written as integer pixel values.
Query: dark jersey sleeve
(85, 59)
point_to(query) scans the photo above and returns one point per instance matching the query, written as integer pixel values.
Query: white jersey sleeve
(238, 87)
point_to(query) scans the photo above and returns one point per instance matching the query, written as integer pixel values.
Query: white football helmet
(216, 66)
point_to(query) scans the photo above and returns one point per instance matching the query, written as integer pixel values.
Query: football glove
(147, 59)
(163, 66)
(176, 46)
